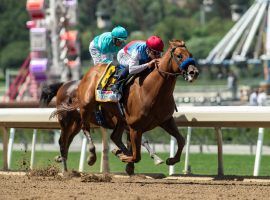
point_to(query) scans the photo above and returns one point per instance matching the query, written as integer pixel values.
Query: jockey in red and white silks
(137, 56)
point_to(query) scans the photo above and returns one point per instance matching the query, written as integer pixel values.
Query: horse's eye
(179, 56)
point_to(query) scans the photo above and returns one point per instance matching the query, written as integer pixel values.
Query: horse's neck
(161, 84)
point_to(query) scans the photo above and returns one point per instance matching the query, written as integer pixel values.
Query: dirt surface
(39, 185)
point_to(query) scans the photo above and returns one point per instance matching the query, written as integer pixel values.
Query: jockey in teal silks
(137, 56)
(105, 46)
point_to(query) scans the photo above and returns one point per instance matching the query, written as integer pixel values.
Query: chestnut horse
(70, 121)
(148, 102)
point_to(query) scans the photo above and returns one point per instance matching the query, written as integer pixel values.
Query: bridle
(182, 65)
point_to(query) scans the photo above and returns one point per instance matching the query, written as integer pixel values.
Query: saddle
(104, 89)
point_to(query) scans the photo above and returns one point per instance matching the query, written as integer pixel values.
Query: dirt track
(137, 187)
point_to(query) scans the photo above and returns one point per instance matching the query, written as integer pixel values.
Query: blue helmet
(120, 33)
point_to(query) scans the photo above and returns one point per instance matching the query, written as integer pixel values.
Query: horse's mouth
(192, 75)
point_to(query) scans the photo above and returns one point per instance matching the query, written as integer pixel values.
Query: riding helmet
(120, 33)
(155, 43)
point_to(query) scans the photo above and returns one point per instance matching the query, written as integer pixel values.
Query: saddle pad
(103, 89)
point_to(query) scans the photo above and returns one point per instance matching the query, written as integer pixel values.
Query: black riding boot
(120, 79)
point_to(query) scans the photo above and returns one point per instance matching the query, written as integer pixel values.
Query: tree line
(167, 18)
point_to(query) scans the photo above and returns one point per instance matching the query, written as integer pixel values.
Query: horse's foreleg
(170, 127)
(136, 140)
(116, 137)
(130, 166)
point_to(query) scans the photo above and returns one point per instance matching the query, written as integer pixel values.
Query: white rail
(225, 116)
(216, 117)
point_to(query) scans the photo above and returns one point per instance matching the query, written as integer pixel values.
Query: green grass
(201, 164)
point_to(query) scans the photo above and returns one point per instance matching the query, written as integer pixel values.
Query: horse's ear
(179, 43)
(182, 43)
(172, 42)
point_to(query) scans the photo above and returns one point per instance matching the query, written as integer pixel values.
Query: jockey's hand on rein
(152, 63)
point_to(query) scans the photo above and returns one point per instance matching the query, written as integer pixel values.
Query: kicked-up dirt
(48, 184)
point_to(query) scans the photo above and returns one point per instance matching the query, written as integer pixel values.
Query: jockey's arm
(134, 66)
(135, 69)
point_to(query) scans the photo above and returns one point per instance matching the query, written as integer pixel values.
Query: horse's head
(182, 60)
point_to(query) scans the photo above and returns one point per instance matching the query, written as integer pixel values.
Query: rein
(169, 73)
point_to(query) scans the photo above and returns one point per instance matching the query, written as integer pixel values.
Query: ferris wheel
(54, 39)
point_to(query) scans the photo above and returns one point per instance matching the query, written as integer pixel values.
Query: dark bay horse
(148, 101)
(70, 121)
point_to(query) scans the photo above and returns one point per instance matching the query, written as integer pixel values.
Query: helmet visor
(122, 39)
(119, 41)
(155, 52)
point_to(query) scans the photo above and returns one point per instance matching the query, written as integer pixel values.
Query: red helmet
(155, 43)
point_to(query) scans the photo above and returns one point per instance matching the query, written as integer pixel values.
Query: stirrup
(117, 91)
(121, 109)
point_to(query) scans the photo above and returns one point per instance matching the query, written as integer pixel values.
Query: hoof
(125, 158)
(117, 152)
(130, 169)
(91, 160)
(157, 160)
(58, 159)
(172, 161)
(65, 173)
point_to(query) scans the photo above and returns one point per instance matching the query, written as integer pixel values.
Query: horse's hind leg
(70, 126)
(86, 130)
(63, 143)
(92, 149)
(130, 166)
(75, 127)
(153, 155)
(171, 128)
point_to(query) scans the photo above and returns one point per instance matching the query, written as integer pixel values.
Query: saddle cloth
(104, 91)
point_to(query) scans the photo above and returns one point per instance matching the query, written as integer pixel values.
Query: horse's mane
(176, 42)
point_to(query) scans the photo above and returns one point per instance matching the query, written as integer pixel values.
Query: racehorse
(147, 100)
(70, 121)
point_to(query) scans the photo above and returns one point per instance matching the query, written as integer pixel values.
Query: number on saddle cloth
(107, 79)
(103, 90)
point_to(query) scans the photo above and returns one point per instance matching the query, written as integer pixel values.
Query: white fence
(216, 117)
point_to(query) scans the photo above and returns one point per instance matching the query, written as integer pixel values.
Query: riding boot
(120, 79)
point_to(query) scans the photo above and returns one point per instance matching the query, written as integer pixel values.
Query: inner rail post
(220, 151)
(33, 148)
(104, 161)
(187, 169)
(5, 148)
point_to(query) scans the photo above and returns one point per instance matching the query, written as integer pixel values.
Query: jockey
(105, 46)
(137, 56)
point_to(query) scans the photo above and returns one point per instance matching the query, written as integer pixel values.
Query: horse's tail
(48, 92)
(65, 107)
